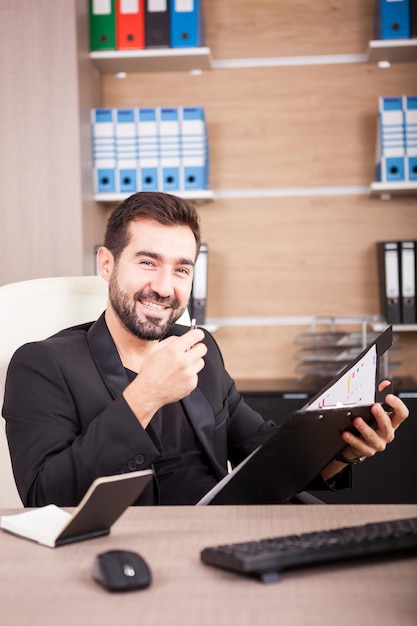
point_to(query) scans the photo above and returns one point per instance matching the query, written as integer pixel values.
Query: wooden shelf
(376, 189)
(198, 196)
(405, 328)
(387, 190)
(296, 320)
(397, 328)
(152, 60)
(392, 50)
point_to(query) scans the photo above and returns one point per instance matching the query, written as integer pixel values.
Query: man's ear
(105, 262)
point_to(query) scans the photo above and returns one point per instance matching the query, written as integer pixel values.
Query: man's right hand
(168, 374)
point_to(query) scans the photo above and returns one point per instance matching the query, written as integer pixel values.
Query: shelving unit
(392, 50)
(152, 60)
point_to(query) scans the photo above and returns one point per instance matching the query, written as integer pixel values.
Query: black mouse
(121, 570)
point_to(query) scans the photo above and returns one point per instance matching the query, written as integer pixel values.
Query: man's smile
(153, 305)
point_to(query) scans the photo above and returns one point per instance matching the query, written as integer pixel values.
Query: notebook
(298, 450)
(105, 501)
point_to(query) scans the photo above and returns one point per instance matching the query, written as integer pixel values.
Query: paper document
(355, 387)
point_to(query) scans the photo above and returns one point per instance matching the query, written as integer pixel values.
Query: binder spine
(185, 23)
(391, 159)
(156, 24)
(126, 151)
(395, 19)
(410, 114)
(130, 24)
(408, 282)
(194, 149)
(102, 25)
(148, 150)
(413, 18)
(169, 137)
(104, 150)
(389, 280)
(199, 289)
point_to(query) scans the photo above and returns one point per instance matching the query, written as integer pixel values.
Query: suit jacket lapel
(106, 357)
(201, 416)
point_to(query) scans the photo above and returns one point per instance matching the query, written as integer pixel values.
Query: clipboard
(309, 439)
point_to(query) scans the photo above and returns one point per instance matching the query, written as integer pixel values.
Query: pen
(192, 327)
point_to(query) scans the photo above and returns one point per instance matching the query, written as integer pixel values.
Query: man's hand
(371, 439)
(169, 373)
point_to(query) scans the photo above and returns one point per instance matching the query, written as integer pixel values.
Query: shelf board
(199, 196)
(206, 195)
(397, 328)
(152, 60)
(297, 320)
(387, 190)
(392, 50)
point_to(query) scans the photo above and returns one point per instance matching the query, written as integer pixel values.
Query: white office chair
(35, 309)
(32, 310)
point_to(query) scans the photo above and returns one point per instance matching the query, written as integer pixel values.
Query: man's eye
(183, 270)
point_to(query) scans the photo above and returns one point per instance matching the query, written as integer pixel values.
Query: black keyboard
(264, 558)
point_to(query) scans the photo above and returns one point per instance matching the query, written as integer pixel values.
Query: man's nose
(163, 284)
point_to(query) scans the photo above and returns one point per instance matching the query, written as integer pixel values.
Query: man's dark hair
(154, 205)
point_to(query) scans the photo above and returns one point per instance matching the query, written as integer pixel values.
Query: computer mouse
(121, 570)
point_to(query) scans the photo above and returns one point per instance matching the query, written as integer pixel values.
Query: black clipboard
(302, 446)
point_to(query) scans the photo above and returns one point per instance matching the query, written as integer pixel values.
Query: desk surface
(41, 586)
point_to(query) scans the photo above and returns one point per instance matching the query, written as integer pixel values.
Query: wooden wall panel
(39, 158)
(299, 256)
(49, 221)
(269, 28)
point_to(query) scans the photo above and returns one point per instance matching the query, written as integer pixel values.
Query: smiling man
(134, 390)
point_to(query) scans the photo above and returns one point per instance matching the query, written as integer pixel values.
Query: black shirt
(183, 471)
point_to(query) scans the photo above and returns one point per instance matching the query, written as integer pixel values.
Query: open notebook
(309, 439)
(105, 501)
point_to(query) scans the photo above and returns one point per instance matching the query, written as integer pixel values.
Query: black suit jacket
(67, 422)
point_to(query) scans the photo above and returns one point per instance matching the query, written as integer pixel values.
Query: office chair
(35, 309)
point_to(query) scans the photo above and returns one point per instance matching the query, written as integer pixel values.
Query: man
(133, 390)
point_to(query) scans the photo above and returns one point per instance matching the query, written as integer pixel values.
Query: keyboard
(265, 558)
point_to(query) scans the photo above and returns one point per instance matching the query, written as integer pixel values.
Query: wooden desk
(40, 586)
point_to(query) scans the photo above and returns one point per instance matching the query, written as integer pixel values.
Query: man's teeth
(153, 305)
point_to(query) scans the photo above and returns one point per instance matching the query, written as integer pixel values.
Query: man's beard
(151, 328)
